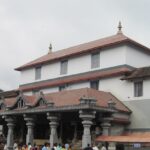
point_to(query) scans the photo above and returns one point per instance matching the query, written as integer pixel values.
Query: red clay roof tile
(72, 97)
(77, 78)
(143, 137)
(82, 48)
(138, 73)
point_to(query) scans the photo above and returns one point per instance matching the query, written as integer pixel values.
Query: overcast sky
(28, 26)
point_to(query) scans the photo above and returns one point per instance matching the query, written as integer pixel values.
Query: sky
(27, 27)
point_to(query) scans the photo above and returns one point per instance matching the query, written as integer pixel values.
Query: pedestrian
(59, 147)
(23, 147)
(66, 146)
(5, 146)
(45, 146)
(29, 146)
(95, 147)
(63, 147)
(15, 147)
(88, 147)
(70, 147)
(55, 146)
(103, 147)
(48, 146)
(35, 147)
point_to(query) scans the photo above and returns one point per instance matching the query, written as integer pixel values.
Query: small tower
(50, 48)
(119, 28)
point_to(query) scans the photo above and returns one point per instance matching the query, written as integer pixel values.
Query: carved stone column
(74, 124)
(10, 135)
(30, 125)
(106, 126)
(53, 118)
(87, 117)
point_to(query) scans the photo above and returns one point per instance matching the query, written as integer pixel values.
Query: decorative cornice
(58, 109)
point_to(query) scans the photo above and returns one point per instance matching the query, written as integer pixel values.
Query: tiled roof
(138, 73)
(9, 101)
(77, 78)
(143, 137)
(81, 49)
(72, 97)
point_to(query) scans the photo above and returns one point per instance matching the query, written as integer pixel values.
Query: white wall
(50, 90)
(79, 85)
(108, 58)
(79, 64)
(45, 90)
(50, 71)
(136, 58)
(113, 57)
(124, 90)
(27, 76)
(121, 89)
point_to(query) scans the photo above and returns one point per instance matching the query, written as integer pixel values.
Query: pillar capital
(87, 115)
(106, 122)
(29, 117)
(106, 125)
(9, 119)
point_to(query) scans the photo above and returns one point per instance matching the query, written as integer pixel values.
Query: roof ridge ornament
(119, 28)
(50, 48)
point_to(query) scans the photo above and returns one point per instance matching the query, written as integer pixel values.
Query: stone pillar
(87, 117)
(106, 126)
(53, 118)
(74, 124)
(10, 135)
(30, 125)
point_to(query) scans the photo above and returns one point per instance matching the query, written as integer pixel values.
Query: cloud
(28, 27)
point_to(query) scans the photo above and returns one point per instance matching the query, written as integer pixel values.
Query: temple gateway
(92, 92)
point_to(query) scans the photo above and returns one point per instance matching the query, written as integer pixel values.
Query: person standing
(15, 146)
(29, 146)
(45, 146)
(88, 147)
(103, 147)
(95, 147)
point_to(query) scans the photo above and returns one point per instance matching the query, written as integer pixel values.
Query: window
(62, 87)
(138, 88)
(21, 103)
(63, 67)
(94, 84)
(95, 60)
(36, 92)
(41, 102)
(37, 73)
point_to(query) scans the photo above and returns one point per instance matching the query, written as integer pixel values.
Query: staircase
(77, 145)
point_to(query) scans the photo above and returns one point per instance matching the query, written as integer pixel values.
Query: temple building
(93, 92)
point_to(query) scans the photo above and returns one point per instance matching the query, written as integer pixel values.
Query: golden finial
(119, 28)
(50, 48)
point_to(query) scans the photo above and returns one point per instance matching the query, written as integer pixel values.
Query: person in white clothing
(103, 147)
(95, 147)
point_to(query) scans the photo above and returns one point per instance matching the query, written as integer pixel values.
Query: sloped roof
(143, 137)
(81, 49)
(93, 75)
(138, 73)
(72, 97)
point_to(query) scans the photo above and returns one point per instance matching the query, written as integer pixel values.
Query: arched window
(21, 103)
